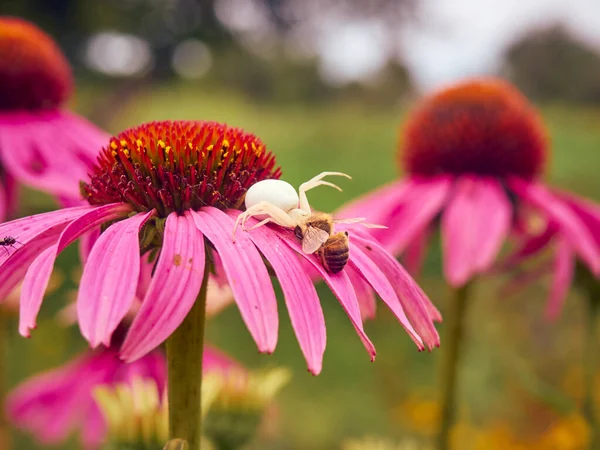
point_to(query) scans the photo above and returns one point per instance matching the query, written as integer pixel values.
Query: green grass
(353, 397)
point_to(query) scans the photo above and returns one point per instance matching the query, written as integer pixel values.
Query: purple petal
(173, 290)
(416, 252)
(35, 234)
(417, 307)
(588, 213)
(3, 203)
(572, 227)
(340, 285)
(109, 279)
(564, 270)
(300, 294)
(38, 274)
(421, 203)
(214, 360)
(382, 286)
(376, 206)
(364, 293)
(247, 275)
(474, 227)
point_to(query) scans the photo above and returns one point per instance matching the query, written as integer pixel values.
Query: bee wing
(359, 219)
(313, 239)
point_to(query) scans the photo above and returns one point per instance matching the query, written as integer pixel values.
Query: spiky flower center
(484, 127)
(34, 73)
(180, 165)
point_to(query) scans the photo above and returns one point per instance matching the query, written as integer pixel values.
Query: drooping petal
(109, 280)
(300, 294)
(86, 243)
(9, 196)
(530, 245)
(564, 270)
(339, 284)
(474, 226)
(422, 202)
(247, 275)
(416, 252)
(3, 203)
(38, 274)
(417, 307)
(34, 234)
(364, 293)
(571, 226)
(173, 290)
(383, 287)
(588, 213)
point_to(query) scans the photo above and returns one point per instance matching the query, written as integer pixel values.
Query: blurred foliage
(553, 65)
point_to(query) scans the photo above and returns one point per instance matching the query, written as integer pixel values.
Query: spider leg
(273, 213)
(313, 183)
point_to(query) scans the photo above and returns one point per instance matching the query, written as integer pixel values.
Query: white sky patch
(118, 54)
(352, 51)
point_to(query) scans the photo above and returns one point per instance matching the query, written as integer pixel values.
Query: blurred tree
(551, 64)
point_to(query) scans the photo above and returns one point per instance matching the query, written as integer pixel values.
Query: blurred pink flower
(473, 154)
(41, 145)
(58, 403)
(173, 186)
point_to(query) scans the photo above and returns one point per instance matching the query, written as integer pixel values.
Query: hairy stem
(590, 356)
(452, 348)
(184, 360)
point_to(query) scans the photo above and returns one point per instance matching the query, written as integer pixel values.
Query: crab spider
(276, 201)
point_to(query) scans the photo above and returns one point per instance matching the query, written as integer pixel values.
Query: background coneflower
(473, 154)
(171, 190)
(41, 144)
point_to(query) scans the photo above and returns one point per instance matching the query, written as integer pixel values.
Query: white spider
(276, 201)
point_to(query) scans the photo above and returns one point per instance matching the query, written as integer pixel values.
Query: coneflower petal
(38, 274)
(109, 280)
(417, 307)
(474, 227)
(34, 235)
(557, 210)
(382, 286)
(173, 290)
(423, 201)
(300, 295)
(247, 275)
(341, 286)
(364, 293)
(564, 270)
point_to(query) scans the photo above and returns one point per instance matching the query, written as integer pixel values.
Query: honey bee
(317, 236)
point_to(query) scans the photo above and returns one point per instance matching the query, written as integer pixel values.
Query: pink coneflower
(172, 189)
(473, 154)
(56, 404)
(41, 144)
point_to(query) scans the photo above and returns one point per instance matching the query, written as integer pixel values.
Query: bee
(334, 253)
(8, 241)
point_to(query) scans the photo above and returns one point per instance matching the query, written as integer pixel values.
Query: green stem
(452, 346)
(184, 362)
(5, 436)
(590, 356)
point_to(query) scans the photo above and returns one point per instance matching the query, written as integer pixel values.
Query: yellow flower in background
(568, 433)
(376, 443)
(241, 399)
(419, 414)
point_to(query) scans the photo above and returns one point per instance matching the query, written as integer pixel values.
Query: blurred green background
(521, 376)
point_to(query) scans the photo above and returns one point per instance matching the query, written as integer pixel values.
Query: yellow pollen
(225, 143)
(210, 147)
(139, 143)
(161, 144)
(114, 145)
(123, 143)
(126, 153)
(167, 149)
(114, 153)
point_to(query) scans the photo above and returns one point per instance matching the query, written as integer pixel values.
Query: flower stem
(590, 356)
(452, 346)
(5, 436)
(184, 362)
